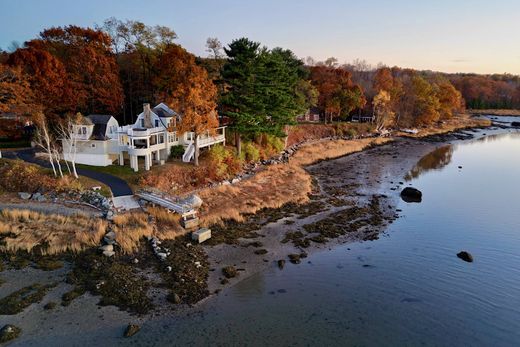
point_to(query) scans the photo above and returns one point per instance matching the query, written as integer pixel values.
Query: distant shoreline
(495, 112)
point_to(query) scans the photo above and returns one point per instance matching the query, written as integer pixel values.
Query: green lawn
(14, 144)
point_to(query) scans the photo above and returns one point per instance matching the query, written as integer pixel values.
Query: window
(142, 123)
(84, 130)
(93, 145)
(156, 123)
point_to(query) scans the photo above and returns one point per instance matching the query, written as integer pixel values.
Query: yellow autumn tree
(382, 106)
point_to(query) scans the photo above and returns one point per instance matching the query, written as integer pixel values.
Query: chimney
(147, 116)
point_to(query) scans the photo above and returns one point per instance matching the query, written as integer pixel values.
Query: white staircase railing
(189, 153)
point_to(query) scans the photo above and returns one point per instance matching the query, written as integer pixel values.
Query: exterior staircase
(189, 153)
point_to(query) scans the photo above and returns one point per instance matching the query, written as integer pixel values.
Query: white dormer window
(156, 123)
(84, 130)
(142, 123)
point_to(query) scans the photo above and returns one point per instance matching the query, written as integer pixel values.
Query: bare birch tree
(68, 133)
(43, 138)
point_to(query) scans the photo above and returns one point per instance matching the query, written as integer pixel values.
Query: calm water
(407, 288)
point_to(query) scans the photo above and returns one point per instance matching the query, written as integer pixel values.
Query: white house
(149, 139)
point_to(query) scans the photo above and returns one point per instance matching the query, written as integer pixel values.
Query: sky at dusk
(451, 36)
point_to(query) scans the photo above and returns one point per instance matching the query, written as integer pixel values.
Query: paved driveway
(118, 186)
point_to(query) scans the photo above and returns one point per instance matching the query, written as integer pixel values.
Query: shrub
(175, 178)
(223, 162)
(176, 152)
(15, 176)
(272, 145)
(250, 152)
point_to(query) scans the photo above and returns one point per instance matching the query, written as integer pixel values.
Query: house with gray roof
(101, 141)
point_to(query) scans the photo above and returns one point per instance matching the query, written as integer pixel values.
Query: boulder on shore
(465, 256)
(24, 196)
(9, 332)
(131, 330)
(410, 194)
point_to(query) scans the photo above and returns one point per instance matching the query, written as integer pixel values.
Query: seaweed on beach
(188, 270)
(117, 282)
(17, 301)
(231, 231)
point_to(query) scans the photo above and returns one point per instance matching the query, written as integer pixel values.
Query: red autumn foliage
(48, 79)
(90, 65)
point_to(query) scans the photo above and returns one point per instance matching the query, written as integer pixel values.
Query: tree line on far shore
(116, 67)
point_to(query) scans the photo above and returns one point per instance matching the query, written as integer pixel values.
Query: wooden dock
(185, 211)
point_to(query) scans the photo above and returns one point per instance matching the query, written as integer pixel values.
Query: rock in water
(229, 271)
(465, 256)
(9, 332)
(410, 194)
(294, 258)
(515, 124)
(193, 200)
(131, 330)
(281, 263)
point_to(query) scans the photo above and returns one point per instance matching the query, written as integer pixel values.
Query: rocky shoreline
(353, 199)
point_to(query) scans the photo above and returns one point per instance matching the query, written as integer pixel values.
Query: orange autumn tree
(47, 77)
(450, 99)
(338, 95)
(15, 97)
(90, 64)
(15, 90)
(186, 87)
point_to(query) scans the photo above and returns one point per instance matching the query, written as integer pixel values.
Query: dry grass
(308, 132)
(455, 123)
(498, 112)
(272, 188)
(314, 152)
(130, 228)
(24, 230)
(168, 223)
(277, 184)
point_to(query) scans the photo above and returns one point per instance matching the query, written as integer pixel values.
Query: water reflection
(496, 137)
(435, 160)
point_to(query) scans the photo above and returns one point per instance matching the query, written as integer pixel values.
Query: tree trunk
(68, 167)
(196, 155)
(57, 157)
(238, 142)
(74, 169)
(51, 160)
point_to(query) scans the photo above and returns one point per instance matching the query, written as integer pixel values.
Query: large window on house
(156, 123)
